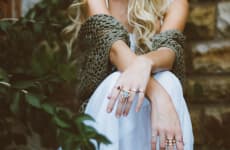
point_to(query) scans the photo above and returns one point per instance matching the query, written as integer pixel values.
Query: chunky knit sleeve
(95, 38)
(174, 40)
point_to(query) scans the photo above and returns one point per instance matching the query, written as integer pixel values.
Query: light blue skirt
(134, 131)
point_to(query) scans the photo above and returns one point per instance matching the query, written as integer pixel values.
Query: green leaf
(60, 123)
(33, 100)
(14, 106)
(102, 139)
(81, 118)
(32, 15)
(3, 75)
(50, 109)
(37, 28)
(66, 113)
(4, 25)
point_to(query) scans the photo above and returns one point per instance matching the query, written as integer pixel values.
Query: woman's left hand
(132, 81)
(165, 121)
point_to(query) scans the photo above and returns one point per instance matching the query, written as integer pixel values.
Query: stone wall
(207, 88)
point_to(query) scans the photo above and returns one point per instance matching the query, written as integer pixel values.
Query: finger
(170, 141)
(179, 142)
(113, 97)
(116, 87)
(129, 103)
(120, 105)
(162, 140)
(141, 97)
(154, 139)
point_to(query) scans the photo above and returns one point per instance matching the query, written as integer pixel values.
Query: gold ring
(170, 144)
(140, 91)
(133, 90)
(171, 140)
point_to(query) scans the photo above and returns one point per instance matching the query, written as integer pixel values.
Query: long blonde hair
(143, 17)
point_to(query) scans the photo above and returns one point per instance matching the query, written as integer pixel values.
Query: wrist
(145, 60)
(150, 90)
(150, 61)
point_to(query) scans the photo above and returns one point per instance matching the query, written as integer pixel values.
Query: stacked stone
(207, 87)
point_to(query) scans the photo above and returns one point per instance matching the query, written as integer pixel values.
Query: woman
(140, 106)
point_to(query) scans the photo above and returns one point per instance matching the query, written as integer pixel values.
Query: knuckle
(161, 129)
(153, 142)
(109, 107)
(130, 100)
(113, 98)
(180, 147)
(178, 134)
(162, 145)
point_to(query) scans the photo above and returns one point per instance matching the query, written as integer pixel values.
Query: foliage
(37, 80)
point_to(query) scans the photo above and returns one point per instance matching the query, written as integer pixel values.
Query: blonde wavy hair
(143, 16)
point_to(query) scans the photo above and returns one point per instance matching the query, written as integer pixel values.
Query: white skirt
(134, 131)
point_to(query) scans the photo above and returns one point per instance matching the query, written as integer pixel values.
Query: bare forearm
(176, 15)
(121, 55)
(164, 58)
(97, 7)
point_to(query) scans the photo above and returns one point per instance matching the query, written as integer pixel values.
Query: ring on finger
(140, 91)
(118, 87)
(133, 90)
(170, 141)
(125, 94)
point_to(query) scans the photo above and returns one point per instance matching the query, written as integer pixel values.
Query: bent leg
(126, 133)
(123, 132)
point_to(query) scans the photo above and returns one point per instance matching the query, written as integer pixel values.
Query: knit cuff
(174, 40)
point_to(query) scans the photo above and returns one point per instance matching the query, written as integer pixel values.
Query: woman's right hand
(134, 81)
(164, 118)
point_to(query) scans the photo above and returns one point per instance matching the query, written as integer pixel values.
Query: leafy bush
(37, 82)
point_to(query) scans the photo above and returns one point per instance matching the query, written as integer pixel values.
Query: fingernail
(108, 110)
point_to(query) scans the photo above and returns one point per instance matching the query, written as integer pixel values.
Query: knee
(113, 76)
(169, 81)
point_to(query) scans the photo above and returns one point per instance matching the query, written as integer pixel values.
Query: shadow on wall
(217, 131)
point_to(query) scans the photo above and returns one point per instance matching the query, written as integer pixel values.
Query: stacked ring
(170, 142)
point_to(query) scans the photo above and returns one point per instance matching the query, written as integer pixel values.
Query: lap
(136, 124)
